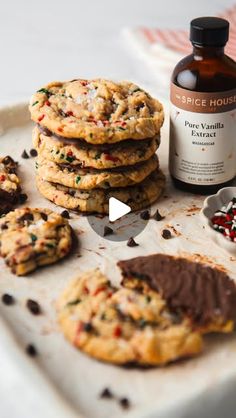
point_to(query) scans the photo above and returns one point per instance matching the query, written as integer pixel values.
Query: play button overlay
(120, 224)
(117, 209)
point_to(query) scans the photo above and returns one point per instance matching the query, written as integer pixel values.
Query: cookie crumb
(166, 234)
(157, 216)
(132, 243)
(145, 215)
(124, 403)
(107, 231)
(31, 350)
(106, 394)
(33, 152)
(33, 307)
(24, 155)
(65, 214)
(8, 299)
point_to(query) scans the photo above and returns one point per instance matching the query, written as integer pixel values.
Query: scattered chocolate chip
(24, 155)
(145, 215)
(132, 243)
(88, 327)
(8, 299)
(157, 216)
(107, 231)
(31, 350)
(106, 394)
(65, 214)
(166, 234)
(33, 307)
(124, 403)
(44, 216)
(33, 152)
(23, 197)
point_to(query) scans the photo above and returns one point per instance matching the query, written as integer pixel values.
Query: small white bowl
(210, 206)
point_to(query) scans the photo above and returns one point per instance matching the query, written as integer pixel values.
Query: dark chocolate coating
(201, 292)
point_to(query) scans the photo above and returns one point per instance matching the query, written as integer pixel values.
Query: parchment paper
(203, 386)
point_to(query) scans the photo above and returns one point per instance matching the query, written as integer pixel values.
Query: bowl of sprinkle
(219, 218)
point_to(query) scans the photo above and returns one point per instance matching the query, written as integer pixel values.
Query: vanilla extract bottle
(202, 155)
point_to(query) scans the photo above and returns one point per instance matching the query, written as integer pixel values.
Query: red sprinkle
(117, 331)
(70, 113)
(86, 290)
(60, 129)
(111, 158)
(84, 82)
(41, 118)
(47, 103)
(70, 153)
(80, 328)
(2, 177)
(98, 290)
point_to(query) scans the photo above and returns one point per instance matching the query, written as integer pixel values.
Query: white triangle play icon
(117, 209)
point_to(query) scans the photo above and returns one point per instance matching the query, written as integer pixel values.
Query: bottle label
(202, 136)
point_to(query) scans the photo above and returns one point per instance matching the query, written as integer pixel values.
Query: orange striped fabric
(177, 40)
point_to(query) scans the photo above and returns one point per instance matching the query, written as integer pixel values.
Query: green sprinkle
(98, 155)
(78, 178)
(50, 245)
(57, 152)
(120, 128)
(62, 156)
(137, 89)
(143, 323)
(103, 317)
(69, 159)
(74, 302)
(91, 135)
(36, 165)
(35, 103)
(148, 298)
(33, 237)
(45, 91)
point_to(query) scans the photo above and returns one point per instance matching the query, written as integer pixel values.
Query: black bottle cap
(209, 31)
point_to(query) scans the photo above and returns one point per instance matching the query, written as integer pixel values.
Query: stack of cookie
(95, 140)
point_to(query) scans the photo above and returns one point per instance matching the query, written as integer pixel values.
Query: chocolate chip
(4, 226)
(23, 197)
(33, 307)
(107, 231)
(132, 243)
(157, 216)
(33, 152)
(24, 154)
(44, 216)
(9, 161)
(31, 350)
(65, 214)
(106, 394)
(166, 234)
(8, 299)
(124, 403)
(26, 217)
(88, 327)
(145, 215)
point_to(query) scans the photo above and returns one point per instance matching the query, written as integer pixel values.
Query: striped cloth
(161, 49)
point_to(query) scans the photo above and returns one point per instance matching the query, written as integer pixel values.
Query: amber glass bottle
(202, 156)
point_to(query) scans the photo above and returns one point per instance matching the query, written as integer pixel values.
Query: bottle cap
(209, 31)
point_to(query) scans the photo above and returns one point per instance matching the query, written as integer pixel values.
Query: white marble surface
(47, 40)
